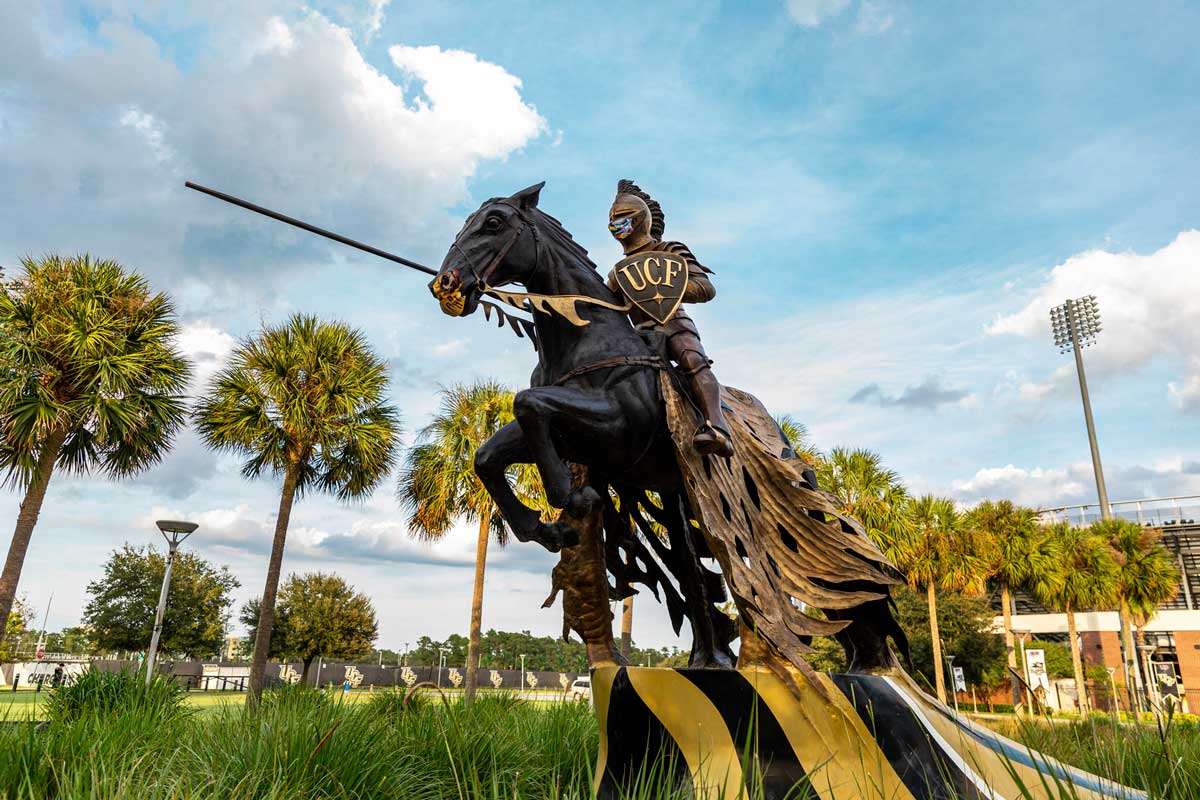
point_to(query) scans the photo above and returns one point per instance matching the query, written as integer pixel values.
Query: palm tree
(867, 491)
(438, 485)
(1146, 577)
(90, 379)
(940, 552)
(797, 435)
(1019, 554)
(1085, 577)
(303, 401)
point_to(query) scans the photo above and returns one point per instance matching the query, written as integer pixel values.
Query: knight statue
(656, 288)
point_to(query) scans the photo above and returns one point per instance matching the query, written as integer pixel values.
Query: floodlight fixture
(1075, 325)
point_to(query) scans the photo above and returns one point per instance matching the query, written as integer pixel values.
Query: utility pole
(174, 532)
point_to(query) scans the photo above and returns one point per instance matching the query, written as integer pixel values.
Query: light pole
(522, 672)
(404, 661)
(1076, 323)
(441, 662)
(954, 682)
(174, 532)
(1147, 649)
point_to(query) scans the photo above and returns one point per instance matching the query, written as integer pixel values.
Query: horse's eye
(492, 223)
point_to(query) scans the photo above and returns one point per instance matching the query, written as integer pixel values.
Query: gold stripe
(993, 767)
(601, 690)
(838, 753)
(696, 726)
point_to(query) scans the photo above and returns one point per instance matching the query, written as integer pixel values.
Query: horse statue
(609, 424)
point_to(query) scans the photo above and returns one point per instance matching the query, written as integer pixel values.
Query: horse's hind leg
(585, 416)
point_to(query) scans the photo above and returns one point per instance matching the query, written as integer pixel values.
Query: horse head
(498, 244)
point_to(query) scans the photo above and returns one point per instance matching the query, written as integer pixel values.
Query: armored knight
(637, 222)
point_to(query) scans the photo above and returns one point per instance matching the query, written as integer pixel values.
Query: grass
(1164, 761)
(113, 738)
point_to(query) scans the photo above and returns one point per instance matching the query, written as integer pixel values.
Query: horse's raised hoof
(554, 536)
(582, 502)
(710, 441)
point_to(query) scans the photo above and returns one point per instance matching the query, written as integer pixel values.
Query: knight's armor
(638, 222)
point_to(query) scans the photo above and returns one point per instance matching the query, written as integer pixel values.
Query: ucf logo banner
(653, 281)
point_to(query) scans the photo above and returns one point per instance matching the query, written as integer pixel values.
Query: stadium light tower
(1076, 323)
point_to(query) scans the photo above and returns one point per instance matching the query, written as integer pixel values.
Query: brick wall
(1186, 643)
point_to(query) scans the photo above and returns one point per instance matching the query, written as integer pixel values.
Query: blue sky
(892, 196)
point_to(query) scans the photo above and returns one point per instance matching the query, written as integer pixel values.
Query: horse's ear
(528, 198)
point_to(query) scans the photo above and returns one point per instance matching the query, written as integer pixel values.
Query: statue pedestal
(844, 737)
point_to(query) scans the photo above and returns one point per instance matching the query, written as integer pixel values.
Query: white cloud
(1075, 484)
(373, 19)
(874, 18)
(1149, 307)
(1186, 393)
(280, 107)
(453, 347)
(811, 13)
(207, 347)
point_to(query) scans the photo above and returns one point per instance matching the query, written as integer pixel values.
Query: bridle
(481, 278)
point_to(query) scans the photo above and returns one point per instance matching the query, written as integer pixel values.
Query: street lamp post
(441, 663)
(954, 682)
(174, 532)
(404, 660)
(522, 672)
(1076, 323)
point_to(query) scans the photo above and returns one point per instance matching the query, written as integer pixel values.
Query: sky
(892, 196)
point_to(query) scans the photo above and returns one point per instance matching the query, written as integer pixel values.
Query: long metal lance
(266, 212)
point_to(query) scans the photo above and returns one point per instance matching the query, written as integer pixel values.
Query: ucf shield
(653, 281)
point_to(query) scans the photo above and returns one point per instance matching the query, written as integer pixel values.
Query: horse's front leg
(586, 418)
(492, 460)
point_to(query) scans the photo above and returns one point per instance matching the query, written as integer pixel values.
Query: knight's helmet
(635, 217)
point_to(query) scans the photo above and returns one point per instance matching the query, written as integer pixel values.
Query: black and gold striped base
(857, 736)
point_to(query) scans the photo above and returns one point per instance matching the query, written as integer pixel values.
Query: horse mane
(562, 247)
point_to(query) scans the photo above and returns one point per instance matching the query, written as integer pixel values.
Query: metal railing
(1164, 512)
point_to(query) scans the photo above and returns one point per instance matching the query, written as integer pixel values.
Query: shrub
(108, 695)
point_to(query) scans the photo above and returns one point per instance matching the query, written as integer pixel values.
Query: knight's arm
(700, 288)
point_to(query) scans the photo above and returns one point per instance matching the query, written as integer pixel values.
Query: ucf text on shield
(654, 281)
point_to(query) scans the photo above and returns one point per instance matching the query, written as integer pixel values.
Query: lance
(337, 237)
(520, 326)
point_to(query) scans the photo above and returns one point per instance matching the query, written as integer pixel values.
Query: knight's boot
(712, 439)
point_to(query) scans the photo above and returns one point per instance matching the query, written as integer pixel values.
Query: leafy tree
(19, 620)
(868, 492)
(76, 641)
(1019, 555)
(940, 552)
(1085, 577)
(90, 379)
(280, 647)
(965, 628)
(120, 612)
(323, 617)
(438, 485)
(303, 401)
(1147, 576)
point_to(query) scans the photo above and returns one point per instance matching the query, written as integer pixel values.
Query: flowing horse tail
(782, 545)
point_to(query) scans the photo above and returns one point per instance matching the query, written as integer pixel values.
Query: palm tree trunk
(1133, 676)
(1010, 645)
(27, 517)
(266, 611)
(627, 626)
(1077, 663)
(939, 678)
(305, 669)
(476, 632)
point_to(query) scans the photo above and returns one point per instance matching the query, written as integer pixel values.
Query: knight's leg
(505, 448)
(713, 437)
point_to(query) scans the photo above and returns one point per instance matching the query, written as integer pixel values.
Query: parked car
(581, 689)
